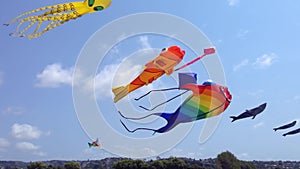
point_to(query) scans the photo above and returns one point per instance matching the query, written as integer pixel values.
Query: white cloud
(40, 153)
(111, 75)
(25, 131)
(257, 93)
(30, 147)
(220, 40)
(265, 60)
(26, 146)
(177, 152)
(144, 42)
(243, 63)
(243, 156)
(54, 76)
(4, 144)
(102, 86)
(297, 97)
(102, 82)
(145, 151)
(13, 111)
(94, 154)
(233, 2)
(48, 133)
(115, 50)
(242, 33)
(258, 125)
(122, 37)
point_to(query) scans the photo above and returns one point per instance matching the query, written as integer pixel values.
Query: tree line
(225, 160)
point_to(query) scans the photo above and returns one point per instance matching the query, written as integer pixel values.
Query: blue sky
(256, 41)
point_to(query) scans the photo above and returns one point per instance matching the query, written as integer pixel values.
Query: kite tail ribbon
(138, 118)
(169, 117)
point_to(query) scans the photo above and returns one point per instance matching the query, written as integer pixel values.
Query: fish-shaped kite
(95, 143)
(285, 126)
(250, 113)
(207, 100)
(292, 132)
(55, 15)
(164, 63)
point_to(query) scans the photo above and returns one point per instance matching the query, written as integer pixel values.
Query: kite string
(164, 102)
(155, 91)
(137, 118)
(132, 131)
(207, 51)
(191, 62)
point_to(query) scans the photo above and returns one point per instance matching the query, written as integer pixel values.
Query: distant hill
(226, 158)
(104, 163)
(12, 164)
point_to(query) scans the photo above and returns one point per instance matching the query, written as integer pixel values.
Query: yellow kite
(55, 15)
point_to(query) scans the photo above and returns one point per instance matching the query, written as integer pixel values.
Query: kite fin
(211, 50)
(233, 118)
(90, 145)
(120, 92)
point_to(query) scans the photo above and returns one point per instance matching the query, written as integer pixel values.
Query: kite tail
(27, 13)
(120, 92)
(234, 118)
(169, 117)
(132, 131)
(138, 118)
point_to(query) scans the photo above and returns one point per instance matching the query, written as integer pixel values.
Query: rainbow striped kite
(207, 100)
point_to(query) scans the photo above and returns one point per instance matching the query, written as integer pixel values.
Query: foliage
(227, 160)
(132, 164)
(37, 165)
(41, 165)
(72, 165)
(246, 165)
(157, 164)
